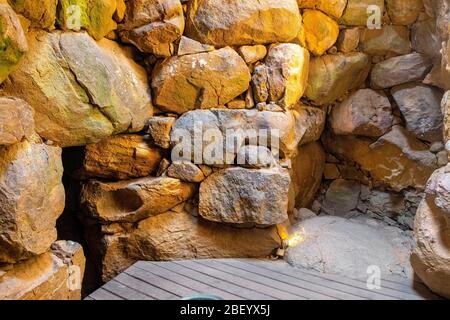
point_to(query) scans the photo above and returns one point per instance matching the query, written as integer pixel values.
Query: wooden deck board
(250, 279)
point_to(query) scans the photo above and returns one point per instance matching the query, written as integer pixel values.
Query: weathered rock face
(397, 159)
(159, 129)
(16, 120)
(348, 40)
(321, 32)
(333, 8)
(282, 78)
(42, 14)
(389, 40)
(153, 25)
(96, 17)
(356, 12)
(179, 235)
(445, 107)
(134, 200)
(431, 257)
(331, 76)
(400, 70)
(421, 107)
(366, 113)
(342, 197)
(242, 22)
(238, 196)
(306, 172)
(404, 12)
(347, 247)
(81, 90)
(12, 41)
(121, 157)
(185, 171)
(287, 129)
(32, 198)
(199, 81)
(45, 277)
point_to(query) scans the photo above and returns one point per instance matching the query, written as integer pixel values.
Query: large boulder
(42, 14)
(242, 22)
(53, 275)
(389, 40)
(400, 70)
(32, 198)
(397, 159)
(12, 41)
(421, 107)
(431, 257)
(331, 76)
(179, 236)
(225, 131)
(306, 172)
(240, 196)
(16, 120)
(403, 12)
(321, 32)
(335, 245)
(153, 25)
(121, 157)
(357, 12)
(282, 78)
(365, 112)
(96, 17)
(81, 90)
(199, 81)
(134, 200)
(334, 8)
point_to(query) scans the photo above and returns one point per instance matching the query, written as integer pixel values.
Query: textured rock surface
(134, 200)
(366, 113)
(282, 78)
(321, 32)
(153, 25)
(421, 107)
(431, 257)
(42, 14)
(341, 198)
(96, 17)
(12, 41)
(81, 90)
(403, 12)
(397, 159)
(178, 236)
(356, 12)
(400, 70)
(334, 8)
(239, 195)
(32, 198)
(185, 171)
(121, 157)
(240, 124)
(199, 81)
(389, 40)
(306, 172)
(16, 120)
(242, 22)
(331, 76)
(45, 277)
(349, 247)
(159, 129)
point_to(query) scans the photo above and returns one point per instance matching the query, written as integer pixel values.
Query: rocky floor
(350, 247)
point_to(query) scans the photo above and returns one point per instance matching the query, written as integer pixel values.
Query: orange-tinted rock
(121, 157)
(16, 120)
(321, 32)
(32, 198)
(54, 275)
(389, 40)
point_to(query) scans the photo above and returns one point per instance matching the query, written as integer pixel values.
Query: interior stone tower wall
(186, 129)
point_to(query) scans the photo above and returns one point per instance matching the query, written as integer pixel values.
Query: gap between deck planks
(247, 279)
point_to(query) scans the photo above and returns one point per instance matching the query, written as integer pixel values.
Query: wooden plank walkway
(248, 279)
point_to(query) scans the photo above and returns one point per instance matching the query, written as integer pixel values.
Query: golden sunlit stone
(321, 32)
(333, 8)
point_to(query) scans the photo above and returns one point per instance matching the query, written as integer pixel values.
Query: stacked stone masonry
(337, 106)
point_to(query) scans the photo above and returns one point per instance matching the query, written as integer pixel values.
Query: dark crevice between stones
(68, 225)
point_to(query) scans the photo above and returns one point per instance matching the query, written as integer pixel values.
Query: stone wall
(337, 106)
